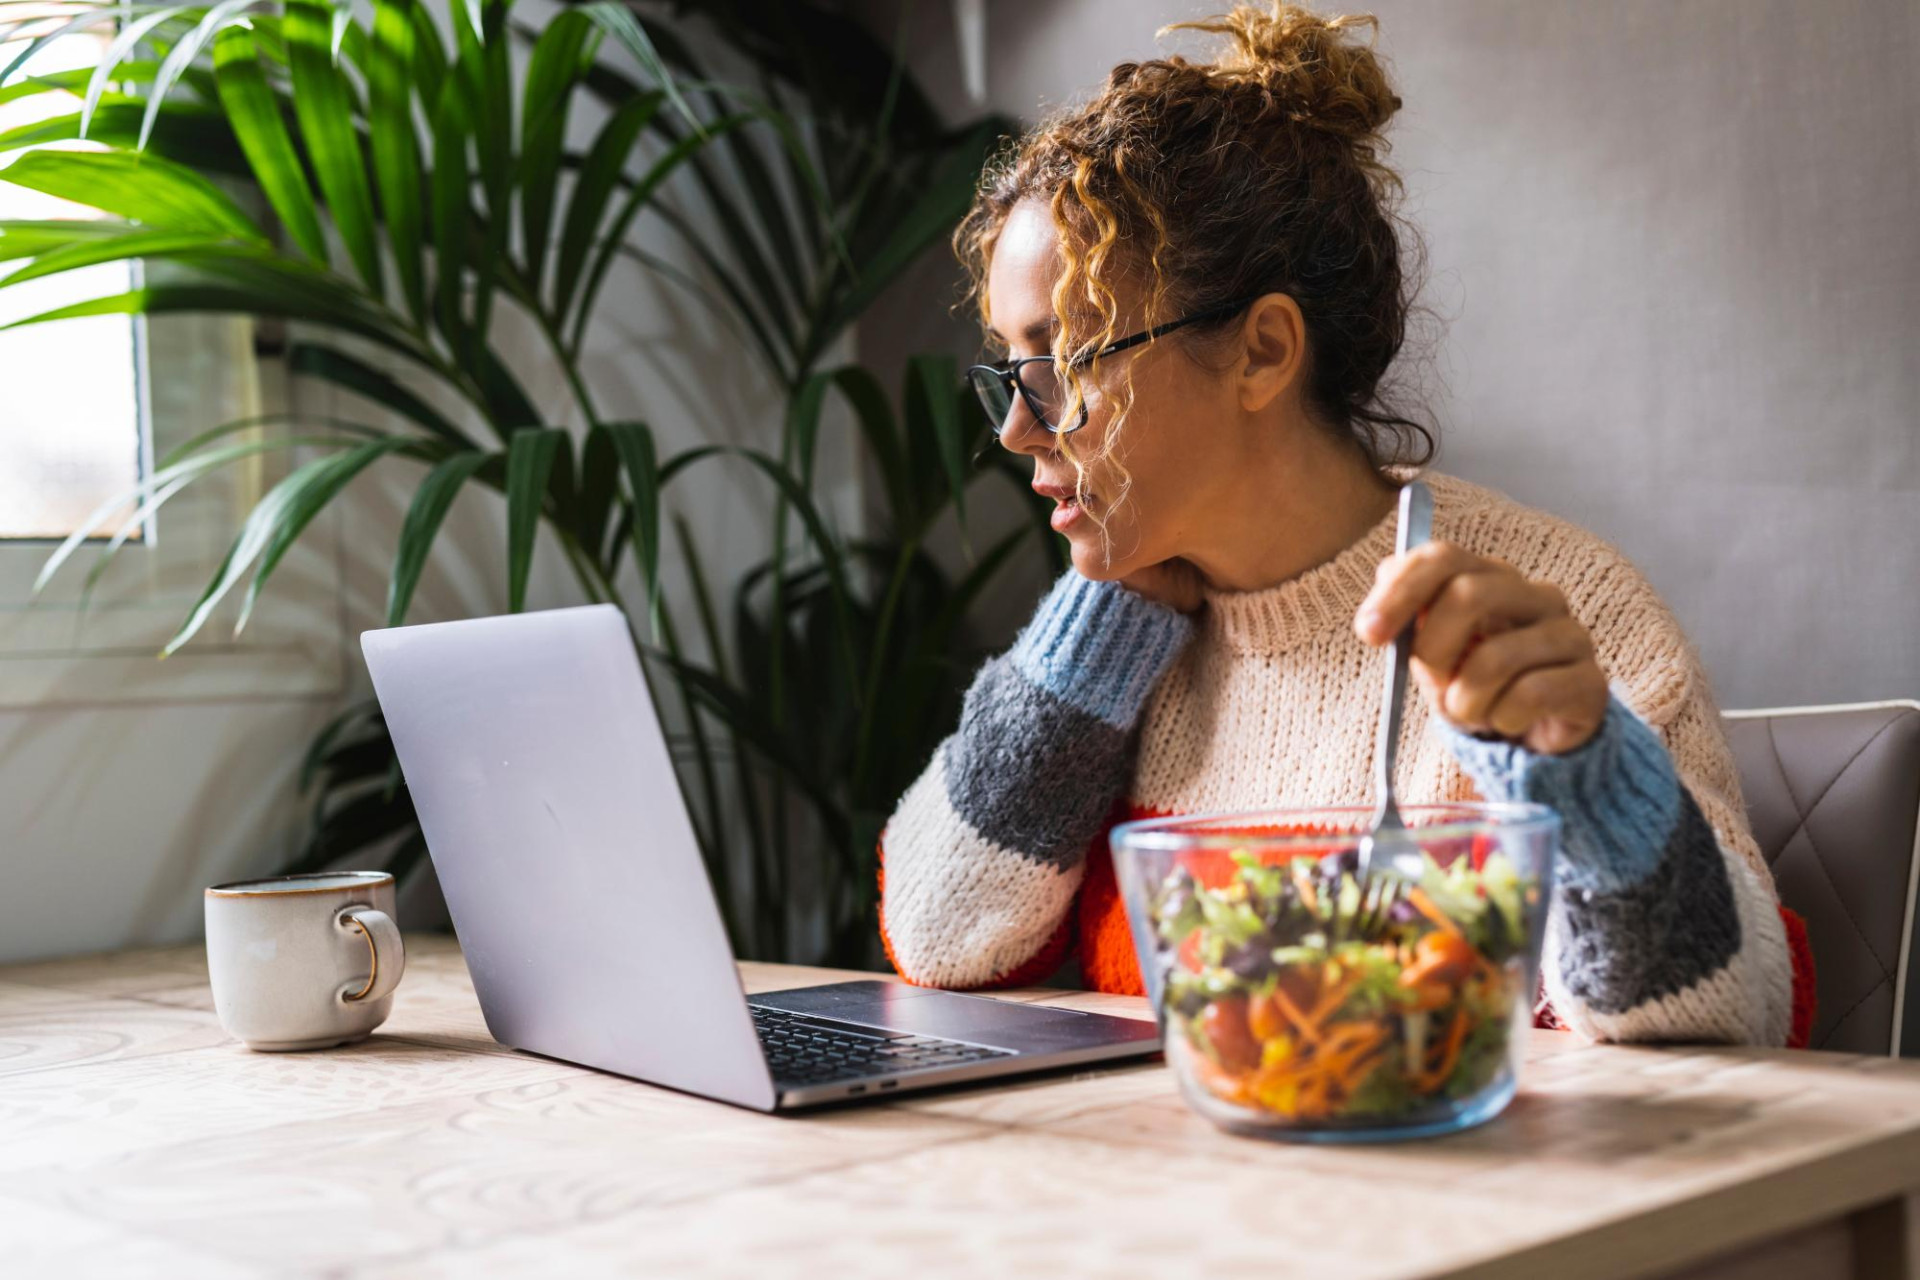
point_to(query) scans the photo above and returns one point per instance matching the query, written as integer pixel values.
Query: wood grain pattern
(142, 1140)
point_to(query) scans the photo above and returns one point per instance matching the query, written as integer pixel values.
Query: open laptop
(554, 818)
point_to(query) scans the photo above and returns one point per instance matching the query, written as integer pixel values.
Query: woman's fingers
(1403, 585)
(1442, 573)
(1552, 709)
(1494, 650)
(1470, 696)
(1476, 605)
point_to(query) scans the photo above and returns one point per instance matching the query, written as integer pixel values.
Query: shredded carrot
(1313, 1067)
(1422, 971)
(1324, 1069)
(1358, 1069)
(1309, 1030)
(1303, 884)
(1456, 1036)
(1427, 1081)
(1428, 908)
(1332, 999)
(1340, 1063)
(1276, 1090)
(1343, 1036)
(1440, 957)
(1219, 1081)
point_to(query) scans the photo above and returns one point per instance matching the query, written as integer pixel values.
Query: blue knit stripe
(1100, 647)
(1618, 795)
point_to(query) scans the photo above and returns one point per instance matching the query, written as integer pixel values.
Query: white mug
(304, 962)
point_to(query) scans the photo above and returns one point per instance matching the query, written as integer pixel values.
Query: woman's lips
(1067, 508)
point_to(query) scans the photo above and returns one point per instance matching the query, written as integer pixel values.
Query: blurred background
(520, 306)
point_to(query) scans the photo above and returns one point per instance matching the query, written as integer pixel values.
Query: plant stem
(592, 581)
(882, 632)
(742, 771)
(715, 844)
(568, 361)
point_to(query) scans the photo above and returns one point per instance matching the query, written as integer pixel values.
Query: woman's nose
(1024, 433)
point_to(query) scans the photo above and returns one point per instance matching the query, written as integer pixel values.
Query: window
(80, 425)
(73, 434)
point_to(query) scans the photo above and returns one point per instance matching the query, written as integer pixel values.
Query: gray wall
(1674, 258)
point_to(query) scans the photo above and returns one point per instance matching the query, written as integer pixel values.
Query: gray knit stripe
(1656, 937)
(1030, 772)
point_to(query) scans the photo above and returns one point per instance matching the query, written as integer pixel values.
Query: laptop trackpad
(922, 1012)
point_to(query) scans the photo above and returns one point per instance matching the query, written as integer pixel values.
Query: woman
(1211, 255)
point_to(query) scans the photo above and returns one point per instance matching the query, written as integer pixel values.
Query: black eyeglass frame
(1008, 372)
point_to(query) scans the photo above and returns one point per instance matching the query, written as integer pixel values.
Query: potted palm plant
(407, 187)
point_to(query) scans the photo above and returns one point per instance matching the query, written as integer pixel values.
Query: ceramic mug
(304, 962)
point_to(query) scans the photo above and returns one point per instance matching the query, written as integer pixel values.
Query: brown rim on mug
(246, 889)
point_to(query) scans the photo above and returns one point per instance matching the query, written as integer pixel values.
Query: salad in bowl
(1287, 1011)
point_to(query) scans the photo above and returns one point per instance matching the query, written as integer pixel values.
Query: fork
(1390, 858)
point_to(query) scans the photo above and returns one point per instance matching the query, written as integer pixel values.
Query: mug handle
(387, 955)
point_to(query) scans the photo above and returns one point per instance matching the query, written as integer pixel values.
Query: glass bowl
(1280, 1021)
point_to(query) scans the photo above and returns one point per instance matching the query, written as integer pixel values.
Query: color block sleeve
(983, 856)
(1658, 931)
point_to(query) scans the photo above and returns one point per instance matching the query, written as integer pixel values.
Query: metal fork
(1390, 858)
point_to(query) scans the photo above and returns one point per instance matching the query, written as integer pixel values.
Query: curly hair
(1260, 172)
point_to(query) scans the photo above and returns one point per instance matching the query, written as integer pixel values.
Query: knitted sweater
(1664, 925)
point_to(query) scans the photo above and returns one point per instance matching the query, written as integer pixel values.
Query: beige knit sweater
(1272, 701)
(1275, 704)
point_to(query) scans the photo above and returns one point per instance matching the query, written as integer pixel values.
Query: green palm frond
(378, 177)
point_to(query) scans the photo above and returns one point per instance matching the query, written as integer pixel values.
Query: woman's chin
(1091, 560)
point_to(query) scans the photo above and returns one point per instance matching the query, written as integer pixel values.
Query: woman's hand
(1494, 651)
(1174, 583)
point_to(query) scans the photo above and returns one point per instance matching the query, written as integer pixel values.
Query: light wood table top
(138, 1139)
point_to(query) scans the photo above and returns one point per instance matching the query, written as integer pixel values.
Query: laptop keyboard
(803, 1050)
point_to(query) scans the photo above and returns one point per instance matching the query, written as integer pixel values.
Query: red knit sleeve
(1806, 1002)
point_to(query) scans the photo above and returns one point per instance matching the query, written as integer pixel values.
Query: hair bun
(1325, 78)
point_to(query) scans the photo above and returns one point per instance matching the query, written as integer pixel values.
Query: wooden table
(137, 1139)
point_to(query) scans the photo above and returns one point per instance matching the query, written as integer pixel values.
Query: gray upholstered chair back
(1834, 795)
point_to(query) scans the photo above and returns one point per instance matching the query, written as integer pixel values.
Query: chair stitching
(1849, 1011)
(1780, 768)
(1837, 775)
(1806, 813)
(1786, 780)
(1886, 970)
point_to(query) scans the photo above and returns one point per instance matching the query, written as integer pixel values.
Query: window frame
(54, 652)
(142, 423)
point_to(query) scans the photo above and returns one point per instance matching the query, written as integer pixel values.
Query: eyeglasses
(1037, 382)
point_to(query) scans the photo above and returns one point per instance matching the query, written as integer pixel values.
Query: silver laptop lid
(556, 824)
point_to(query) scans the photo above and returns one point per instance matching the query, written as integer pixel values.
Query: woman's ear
(1273, 358)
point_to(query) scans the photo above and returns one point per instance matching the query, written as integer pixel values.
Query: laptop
(554, 818)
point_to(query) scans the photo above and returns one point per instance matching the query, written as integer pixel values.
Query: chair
(1834, 797)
